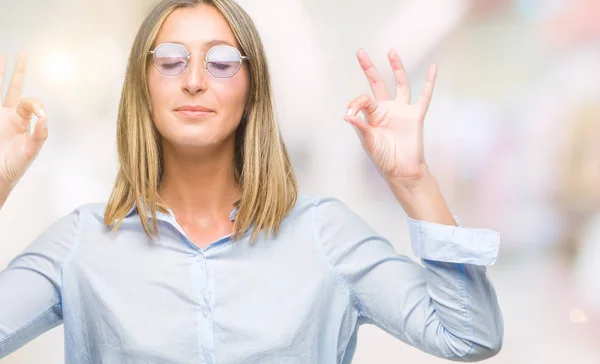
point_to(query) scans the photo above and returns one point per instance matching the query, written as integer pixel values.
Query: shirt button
(200, 257)
(205, 312)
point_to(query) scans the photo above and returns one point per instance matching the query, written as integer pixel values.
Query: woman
(205, 253)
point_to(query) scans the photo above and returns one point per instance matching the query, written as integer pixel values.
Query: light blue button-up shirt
(297, 298)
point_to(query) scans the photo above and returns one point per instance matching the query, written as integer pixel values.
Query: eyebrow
(215, 42)
(209, 44)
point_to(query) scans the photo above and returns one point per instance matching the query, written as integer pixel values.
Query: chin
(199, 140)
(197, 132)
(198, 135)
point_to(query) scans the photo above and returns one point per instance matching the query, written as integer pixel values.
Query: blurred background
(513, 135)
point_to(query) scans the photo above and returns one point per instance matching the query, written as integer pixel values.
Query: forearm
(467, 307)
(458, 288)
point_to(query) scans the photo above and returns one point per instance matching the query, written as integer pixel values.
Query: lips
(193, 111)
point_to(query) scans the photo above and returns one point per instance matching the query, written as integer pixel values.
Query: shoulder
(57, 240)
(71, 221)
(88, 212)
(312, 203)
(333, 225)
(321, 209)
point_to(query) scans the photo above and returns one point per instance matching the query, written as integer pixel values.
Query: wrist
(5, 190)
(415, 189)
(410, 188)
(422, 200)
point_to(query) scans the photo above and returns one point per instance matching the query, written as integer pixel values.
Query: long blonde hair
(263, 170)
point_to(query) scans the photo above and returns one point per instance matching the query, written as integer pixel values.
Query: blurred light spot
(577, 316)
(60, 67)
(103, 60)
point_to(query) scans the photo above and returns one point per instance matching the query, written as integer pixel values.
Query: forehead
(195, 28)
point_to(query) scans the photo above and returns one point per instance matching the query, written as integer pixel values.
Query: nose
(195, 77)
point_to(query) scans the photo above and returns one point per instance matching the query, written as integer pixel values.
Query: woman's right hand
(18, 148)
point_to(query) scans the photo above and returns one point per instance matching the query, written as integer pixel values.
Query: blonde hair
(268, 189)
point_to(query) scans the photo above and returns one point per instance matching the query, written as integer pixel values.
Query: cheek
(233, 96)
(156, 89)
(153, 89)
(161, 93)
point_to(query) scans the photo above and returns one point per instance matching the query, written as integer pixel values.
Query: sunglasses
(172, 59)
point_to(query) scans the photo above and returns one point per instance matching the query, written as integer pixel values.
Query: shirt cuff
(453, 244)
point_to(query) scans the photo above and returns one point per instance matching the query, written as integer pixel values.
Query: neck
(202, 186)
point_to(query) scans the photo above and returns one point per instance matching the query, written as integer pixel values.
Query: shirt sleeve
(445, 306)
(30, 286)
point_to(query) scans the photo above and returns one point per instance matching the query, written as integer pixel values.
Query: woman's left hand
(392, 131)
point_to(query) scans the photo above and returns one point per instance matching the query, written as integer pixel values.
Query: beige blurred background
(513, 135)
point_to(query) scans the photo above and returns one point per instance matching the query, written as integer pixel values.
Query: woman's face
(198, 29)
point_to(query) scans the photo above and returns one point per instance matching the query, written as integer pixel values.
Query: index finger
(21, 119)
(29, 106)
(15, 87)
(376, 82)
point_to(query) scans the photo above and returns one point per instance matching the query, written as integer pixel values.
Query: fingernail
(349, 112)
(41, 113)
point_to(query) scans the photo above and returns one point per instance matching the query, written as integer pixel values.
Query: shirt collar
(133, 209)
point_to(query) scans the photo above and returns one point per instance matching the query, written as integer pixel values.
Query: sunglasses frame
(187, 61)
